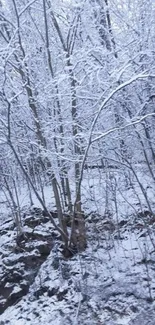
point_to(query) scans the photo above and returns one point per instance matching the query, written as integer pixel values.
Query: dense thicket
(76, 92)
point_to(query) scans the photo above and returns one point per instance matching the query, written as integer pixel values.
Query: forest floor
(111, 283)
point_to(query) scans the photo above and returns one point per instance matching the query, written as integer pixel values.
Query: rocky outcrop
(21, 256)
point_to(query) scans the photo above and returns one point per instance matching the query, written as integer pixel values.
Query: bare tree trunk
(78, 230)
(110, 29)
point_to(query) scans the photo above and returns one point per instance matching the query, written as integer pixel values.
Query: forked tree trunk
(65, 186)
(78, 233)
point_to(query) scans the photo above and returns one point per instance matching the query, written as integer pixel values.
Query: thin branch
(26, 7)
(133, 122)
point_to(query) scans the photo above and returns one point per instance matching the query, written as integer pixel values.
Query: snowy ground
(113, 281)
